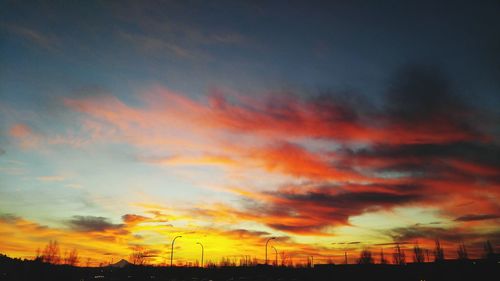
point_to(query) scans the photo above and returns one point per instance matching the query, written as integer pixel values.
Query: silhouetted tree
(418, 254)
(365, 257)
(51, 253)
(38, 255)
(284, 258)
(382, 258)
(225, 262)
(211, 264)
(462, 252)
(488, 250)
(245, 261)
(138, 256)
(310, 262)
(73, 257)
(438, 252)
(399, 256)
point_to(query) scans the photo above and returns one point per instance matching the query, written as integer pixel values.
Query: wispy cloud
(51, 178)
(402, 160)
(39, 38)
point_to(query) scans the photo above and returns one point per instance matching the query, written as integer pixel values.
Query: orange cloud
(374, 159)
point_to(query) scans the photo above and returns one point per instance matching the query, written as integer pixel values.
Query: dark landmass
(18, 270)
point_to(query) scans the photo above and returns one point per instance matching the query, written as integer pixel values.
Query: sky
(334, 127)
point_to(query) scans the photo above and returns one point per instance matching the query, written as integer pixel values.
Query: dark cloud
(481, 153)
(348, 200)
(454, 235)
(134, 219)
(421, 98)
(312, 211)
(475, 217)
(298, 229)
(92, 224)
(9, 218)
(420, 145)
(392, 243)
(247, 233)
(419, 92)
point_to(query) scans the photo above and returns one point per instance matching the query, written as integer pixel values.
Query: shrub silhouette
(462, 252)
(438, 252)
(71, 258)
(51, 253)
(489, 253)
(138, 256)
(382, 258)
(418, 254)
(399, 256)
(365, 257)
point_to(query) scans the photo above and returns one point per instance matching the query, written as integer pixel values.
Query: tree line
(421, 255)
(139, 256)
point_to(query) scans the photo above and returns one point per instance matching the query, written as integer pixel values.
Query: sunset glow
(124, 125)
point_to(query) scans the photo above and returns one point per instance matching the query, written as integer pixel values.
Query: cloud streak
(420, 146)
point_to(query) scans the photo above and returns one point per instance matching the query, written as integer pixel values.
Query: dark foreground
(17, 270)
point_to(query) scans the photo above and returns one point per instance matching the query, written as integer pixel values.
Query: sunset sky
(341, 127)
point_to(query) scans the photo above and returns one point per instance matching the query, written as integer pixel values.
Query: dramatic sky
(339, 127)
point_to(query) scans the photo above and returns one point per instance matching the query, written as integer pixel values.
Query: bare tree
(399, 256)
(330, 261)
(438, 252)
(427, 255)
(226, 262)
(284, 258)
(138, 256)
(38, 255)
(418, 254)
(245, 261)
(365, 257)
(72, 258)
(462, 252)
(488, 250)
(51, 253)
(382, 258)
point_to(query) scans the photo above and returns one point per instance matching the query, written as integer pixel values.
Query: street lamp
(202, 250)
(266, 246)
(172, 252)
(276, 260)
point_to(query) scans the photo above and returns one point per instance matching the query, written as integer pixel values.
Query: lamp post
(276, 259)
(266, 246)
(202, 250)
(172, 252)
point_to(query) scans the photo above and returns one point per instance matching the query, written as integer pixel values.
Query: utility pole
(202, 250)
(272, 238)
(276, 259)
(172, 251)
